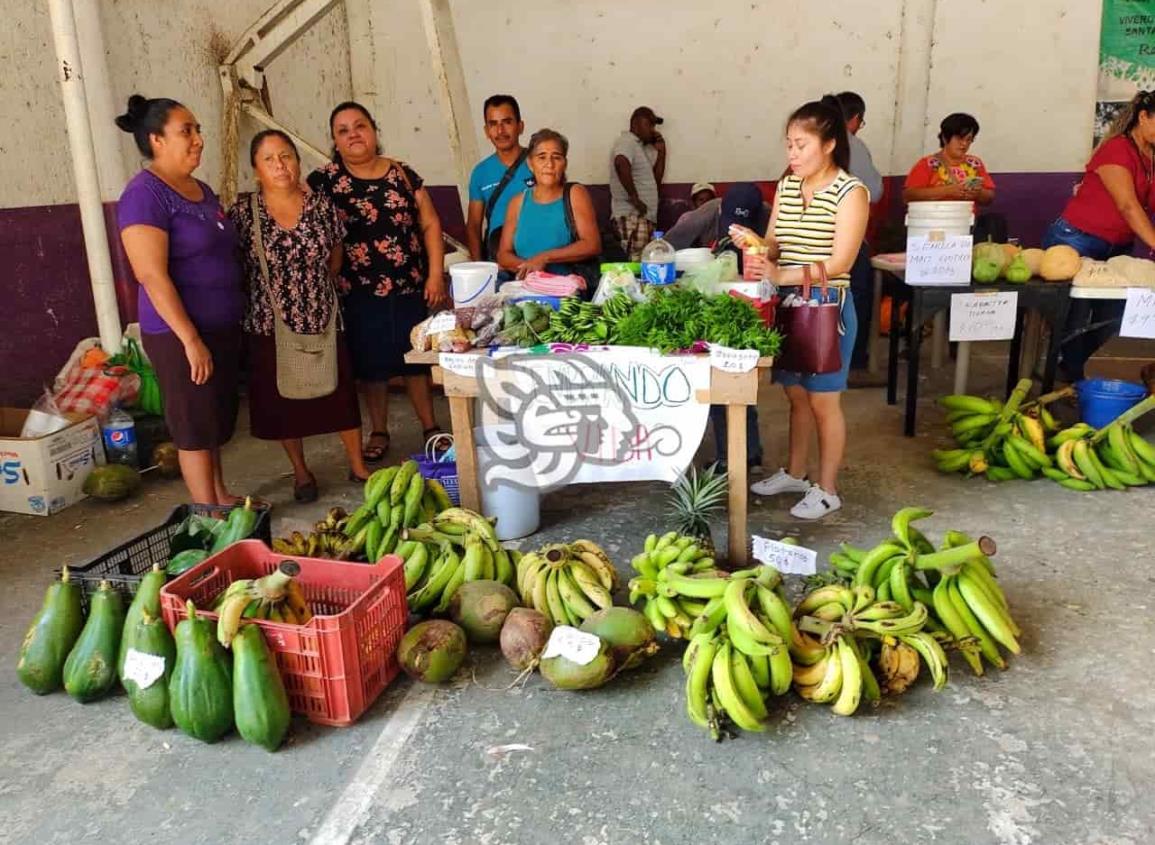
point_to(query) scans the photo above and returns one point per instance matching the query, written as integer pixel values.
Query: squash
(147, 598)
(259, 699)
(201, 687)
(1034, 259)
(90, 671)
(1060, 263)
(152, 657)
(51, 636)
(1017, 271)
(990, 251)
(1010, 253)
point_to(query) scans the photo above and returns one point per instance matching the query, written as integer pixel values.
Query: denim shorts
(1084, 243)
(829, 382)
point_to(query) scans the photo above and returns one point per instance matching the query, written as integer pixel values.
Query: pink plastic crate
(334, 666)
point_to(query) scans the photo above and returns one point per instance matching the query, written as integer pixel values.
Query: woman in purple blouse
(183, 251)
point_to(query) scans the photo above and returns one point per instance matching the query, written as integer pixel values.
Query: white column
(70, 74)
(912, 92)
(102, 106)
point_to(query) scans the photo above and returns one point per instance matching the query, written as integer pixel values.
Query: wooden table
(734, 390)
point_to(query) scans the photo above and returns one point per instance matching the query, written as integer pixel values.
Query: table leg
(914, 348)
(1016, 352)
(939, 343)
(1057, 317)
(462, 421)
(736, 461)
(962, 366)
(872, 349)
(895, 333)
(1032, 334)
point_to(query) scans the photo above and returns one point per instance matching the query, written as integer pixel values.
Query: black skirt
(377, 330)
(199, 416)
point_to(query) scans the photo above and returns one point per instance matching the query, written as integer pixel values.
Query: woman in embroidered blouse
(951, 173)
(301, 234)
(393, 267)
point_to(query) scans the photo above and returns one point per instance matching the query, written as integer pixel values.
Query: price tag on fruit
(732, 360)
(983, 316)
(787, 558)
(572, 644)
(459, 363)
(446, 321)
(143, 669)
(1139, 314)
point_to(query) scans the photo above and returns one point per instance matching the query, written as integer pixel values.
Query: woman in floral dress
(302, 234)
(392, 271)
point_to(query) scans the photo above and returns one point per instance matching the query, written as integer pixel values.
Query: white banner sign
(785, 557)
(983, 316)
(938, 259)
(621, 414)
(1139, 314)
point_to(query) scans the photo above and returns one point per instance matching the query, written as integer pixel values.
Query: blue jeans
(829, 382)
(1080, 341)
(862, 286)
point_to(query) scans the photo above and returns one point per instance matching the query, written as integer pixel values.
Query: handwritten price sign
(732, 360)
(786, 558)
(1139, 314)
(983, 316)
(938, 259)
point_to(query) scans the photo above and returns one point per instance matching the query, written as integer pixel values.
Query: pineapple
(694, 499)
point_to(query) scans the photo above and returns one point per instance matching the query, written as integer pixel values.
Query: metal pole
(84, 170)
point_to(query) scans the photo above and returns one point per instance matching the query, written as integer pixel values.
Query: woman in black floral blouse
(393, 267)
(302, 234)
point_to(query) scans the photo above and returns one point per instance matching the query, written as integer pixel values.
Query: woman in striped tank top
(819, 216)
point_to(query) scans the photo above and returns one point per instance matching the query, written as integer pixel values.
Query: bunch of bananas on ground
(739, 650)
(568, 582)
(276, 597)
(676, 576)
(956, 582)
(326, 540)
(396, 498)
(1115, 457)
(1001, 441)
(583, 322)
(455, 546)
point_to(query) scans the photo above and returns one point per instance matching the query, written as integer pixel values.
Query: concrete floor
(1055, 750)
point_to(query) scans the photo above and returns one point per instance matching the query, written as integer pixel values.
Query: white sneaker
(816, 504)
(779, 482)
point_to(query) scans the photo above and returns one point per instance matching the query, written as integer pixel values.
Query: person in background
(183, 252)
(1111, 207)
(861, 274)
(496, 179)
(300, 236)
(701, 193)
(552, 225)
(392, 270)
(637, 165)
(819, 216)
(951, 173)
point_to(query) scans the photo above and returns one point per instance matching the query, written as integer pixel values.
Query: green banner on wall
(1126, 57)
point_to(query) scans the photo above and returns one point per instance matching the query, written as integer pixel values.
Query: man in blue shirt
(497, 179)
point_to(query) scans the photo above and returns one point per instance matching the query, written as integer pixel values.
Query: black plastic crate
(124, 566)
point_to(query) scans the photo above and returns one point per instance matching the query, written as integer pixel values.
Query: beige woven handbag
(306, 363)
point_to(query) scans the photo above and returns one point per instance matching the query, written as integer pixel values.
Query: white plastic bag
(44, 418)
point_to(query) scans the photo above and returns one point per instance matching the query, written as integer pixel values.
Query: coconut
(629, 633)
(432, 651)
(166, 460)
(480, 607)
(523, 637)
(563, 673)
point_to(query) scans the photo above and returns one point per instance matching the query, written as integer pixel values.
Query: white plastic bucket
(692, 259)
(471, 280)
(517, 509)
(941, 215)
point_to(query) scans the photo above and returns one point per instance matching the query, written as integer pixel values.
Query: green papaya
(90, 671)
(184, 561)
(51, 637)
(201, 687)
(152, 657)
(239, 526)
(259, 698)
(147, 598)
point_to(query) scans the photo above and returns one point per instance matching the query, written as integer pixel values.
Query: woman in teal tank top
(536, 234)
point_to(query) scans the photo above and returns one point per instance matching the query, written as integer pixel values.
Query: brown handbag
(810, 330)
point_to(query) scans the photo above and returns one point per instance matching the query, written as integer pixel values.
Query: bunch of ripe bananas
(1115, 457)
(326, 540)
(276, 597)
(568, 582)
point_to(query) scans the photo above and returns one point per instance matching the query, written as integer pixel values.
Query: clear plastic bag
(618, 278)
(45, 418)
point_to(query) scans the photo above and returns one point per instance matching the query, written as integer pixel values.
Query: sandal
(357, 479)
(371, 454)
(307, 492)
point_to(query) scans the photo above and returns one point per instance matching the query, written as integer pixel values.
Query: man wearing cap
(708, 225)
(701, 193)
(637, 164)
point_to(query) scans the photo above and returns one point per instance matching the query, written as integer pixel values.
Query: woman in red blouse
(1111, 207)
(951, 173)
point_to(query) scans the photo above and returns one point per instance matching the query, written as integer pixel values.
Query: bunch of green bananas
(1115, 457)
(456, 546)
(396, 498)
(956, 582)
(326, 540)
(568, 582)
(583, 322)
(676, 576)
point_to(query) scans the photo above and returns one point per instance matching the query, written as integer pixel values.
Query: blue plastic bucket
(1101, 400)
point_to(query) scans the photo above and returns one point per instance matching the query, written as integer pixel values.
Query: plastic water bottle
(658, 261)
(120, 438)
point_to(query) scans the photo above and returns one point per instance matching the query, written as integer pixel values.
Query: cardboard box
(44, 475)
